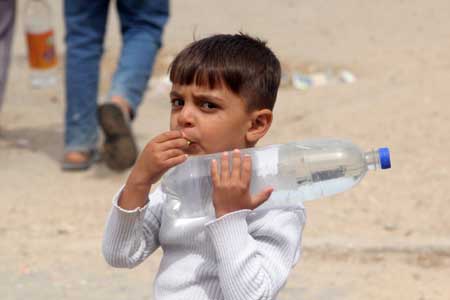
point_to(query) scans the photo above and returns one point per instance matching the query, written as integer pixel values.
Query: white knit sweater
(242, 255)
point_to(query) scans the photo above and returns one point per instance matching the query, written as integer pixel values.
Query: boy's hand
(231, 189)
(160, 154)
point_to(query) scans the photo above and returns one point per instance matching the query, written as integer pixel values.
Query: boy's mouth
(192, 147)
(189, 142)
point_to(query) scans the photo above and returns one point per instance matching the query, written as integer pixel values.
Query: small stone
(390, 227)
(408, 232)
(62, 231)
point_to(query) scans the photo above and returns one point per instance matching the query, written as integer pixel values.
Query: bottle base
(43, 79)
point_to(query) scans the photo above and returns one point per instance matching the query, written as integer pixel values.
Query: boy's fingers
(236, 164)
(261, 197)
(224, 169)
(246, 169)
(214, 172)
(172, 153)
(174, 143)
(168, 135)
(171, 162)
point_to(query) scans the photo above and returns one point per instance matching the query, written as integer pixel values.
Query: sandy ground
(388, 238)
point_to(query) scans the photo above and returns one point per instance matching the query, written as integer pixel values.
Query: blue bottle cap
(385, 158)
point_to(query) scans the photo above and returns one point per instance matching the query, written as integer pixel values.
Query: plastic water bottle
(298, 171)
(41, 44)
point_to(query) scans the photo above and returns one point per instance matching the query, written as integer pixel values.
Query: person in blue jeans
(7, 17)
(141, 23)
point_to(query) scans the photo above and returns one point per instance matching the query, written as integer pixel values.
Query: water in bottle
(41, 43)
(298, 171)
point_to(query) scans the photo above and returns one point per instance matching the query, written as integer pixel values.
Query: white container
(298, 171)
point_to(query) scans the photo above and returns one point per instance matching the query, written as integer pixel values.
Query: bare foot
(76, 157)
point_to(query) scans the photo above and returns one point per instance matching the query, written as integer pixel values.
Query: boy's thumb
(262, 197)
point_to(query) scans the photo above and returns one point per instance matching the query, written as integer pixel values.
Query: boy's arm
(254, 260)
(160, 154)
(132, 235)
(133, 225)
(134, 195)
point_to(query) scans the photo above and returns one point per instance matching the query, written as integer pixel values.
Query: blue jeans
(142, 23)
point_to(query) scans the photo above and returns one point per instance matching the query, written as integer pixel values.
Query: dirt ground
(388, 238)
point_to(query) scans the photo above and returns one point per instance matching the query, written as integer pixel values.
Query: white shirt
(247, 254)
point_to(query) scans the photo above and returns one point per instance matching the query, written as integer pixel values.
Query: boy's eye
(177, 102)
(208, 105)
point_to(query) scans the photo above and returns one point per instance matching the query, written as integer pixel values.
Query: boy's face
(212, 120)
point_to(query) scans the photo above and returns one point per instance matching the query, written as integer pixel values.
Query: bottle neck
(372, 160)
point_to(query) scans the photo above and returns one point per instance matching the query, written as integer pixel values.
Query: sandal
(91, 157)
(119, 149)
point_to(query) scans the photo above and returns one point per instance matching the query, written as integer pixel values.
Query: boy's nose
(186, 117)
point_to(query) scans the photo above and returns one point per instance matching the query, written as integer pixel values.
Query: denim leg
(142, 23)
(7, 15)
(85, 28)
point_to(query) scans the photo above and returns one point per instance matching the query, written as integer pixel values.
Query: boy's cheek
(172, 123)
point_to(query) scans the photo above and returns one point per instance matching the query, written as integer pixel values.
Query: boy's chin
(194, 149)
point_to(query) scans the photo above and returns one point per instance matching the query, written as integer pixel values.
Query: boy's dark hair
(244, 64)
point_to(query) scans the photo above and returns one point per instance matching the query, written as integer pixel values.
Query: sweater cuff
(229, 233)
(127, 218)
(115, 203)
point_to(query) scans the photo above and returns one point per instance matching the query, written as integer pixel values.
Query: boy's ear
(260, 124)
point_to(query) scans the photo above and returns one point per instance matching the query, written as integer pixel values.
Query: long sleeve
(131, 236)
(254, 259)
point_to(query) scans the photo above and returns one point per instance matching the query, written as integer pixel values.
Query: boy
(224, 90)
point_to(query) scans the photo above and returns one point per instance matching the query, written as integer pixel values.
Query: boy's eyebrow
(207, 96)
(197, 96)
(174, 94)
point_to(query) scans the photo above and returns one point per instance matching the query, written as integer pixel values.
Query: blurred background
(379, 75)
